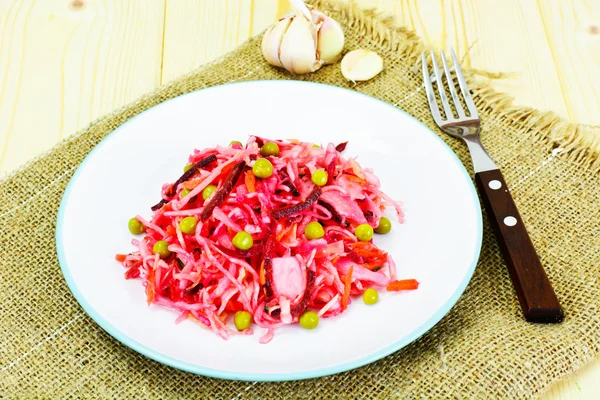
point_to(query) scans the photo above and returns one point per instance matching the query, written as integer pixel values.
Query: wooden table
(64, 63)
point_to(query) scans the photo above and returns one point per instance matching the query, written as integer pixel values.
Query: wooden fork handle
(536, 295)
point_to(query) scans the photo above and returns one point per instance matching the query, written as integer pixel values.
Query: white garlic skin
(302, 46)
(330, 41)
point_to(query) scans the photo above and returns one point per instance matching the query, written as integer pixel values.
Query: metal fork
(536, 295)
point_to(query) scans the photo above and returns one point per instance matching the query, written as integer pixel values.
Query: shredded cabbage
(206, 279)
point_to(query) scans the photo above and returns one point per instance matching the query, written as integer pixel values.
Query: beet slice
(158, 205)
(223, 191)
(296, 208)
(341, 147)
(268, 265)
(293, 190)
(334, 214)
(170, 192)
(301, 306)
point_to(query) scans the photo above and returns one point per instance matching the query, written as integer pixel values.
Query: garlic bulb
(361, 65)
(301, 45)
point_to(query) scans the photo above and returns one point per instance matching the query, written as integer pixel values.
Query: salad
(270, 233)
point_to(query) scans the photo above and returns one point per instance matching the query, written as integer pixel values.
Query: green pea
(309, 320)
(185, 192)
(385, 226)
(162, 249)
(208, 191)
(319, 177)
(262, 168)
(242, 320)
(364, 232)
(370, 296)
(235, 142)
(187, 167)
(188, 225)
(242, 240)
(316, 146)
(269, 149)
(314, 230)
(135, 226)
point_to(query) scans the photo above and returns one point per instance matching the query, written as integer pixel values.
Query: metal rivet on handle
(495, 185)
(510, 221)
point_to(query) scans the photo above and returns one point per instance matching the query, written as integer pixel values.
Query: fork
(536, 296)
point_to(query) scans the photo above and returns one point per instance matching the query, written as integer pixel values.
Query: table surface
(64, 63)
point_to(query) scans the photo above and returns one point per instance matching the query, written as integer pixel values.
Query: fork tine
(440, 86)
(463, 86)
(429, 90)
(457, 104)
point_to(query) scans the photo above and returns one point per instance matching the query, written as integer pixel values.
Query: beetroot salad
(265, 234)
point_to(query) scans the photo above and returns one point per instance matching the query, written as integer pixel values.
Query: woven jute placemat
(481, 349)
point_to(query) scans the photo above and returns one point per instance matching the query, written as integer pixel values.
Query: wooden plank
(572, 30)
(65, 63)
(200, 31)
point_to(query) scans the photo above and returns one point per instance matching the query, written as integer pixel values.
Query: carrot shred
(171, 231)
(120, 257)
(250, 181)
(356, 179)
(150, 288)
(347, 286)
(371, 266)
(289, 234)
(335, 260)
(263, 279)
(191, 184)
(284, 230)
(404, 284)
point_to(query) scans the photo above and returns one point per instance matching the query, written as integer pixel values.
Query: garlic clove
(271, 41)
(298, 50)
(361, 65)
(330, 38)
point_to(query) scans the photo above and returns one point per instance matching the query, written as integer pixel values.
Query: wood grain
(534, 290)
(200, 31)
(65, 62)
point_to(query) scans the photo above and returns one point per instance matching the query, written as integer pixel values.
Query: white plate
(438, 244)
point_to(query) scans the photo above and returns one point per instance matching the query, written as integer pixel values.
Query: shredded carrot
(280, 234)
(263, 280)
(356, 179)
(371, 266)
(191, 184)
(290, 234)
(120, 257)
(404, 284)
(250, 181)
(195, 320)
(231, 232)
(150, 288)
(347, 286)
(335, 260)
(171, 231)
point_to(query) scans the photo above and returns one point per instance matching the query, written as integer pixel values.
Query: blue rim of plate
(262, 377)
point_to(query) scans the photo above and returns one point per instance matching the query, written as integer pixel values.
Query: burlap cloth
(481, 349)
